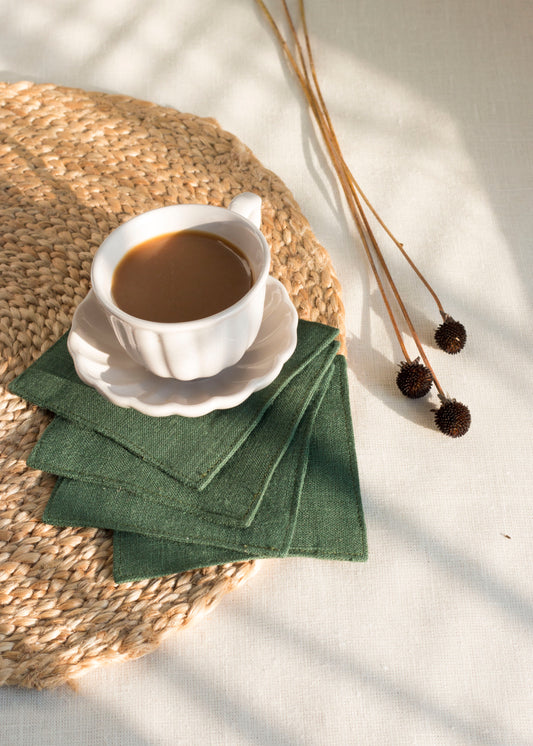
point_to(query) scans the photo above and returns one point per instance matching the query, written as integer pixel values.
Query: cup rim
(161, 326)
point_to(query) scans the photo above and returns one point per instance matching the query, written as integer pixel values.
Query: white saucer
(102, 363)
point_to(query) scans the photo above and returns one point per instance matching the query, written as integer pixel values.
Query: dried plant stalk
(302, 65)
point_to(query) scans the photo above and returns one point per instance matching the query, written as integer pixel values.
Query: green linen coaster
(80, 503)
(232, 497)
(326, 522)
(191, 450)
(333, 524)
(330, 522)
(138, 557)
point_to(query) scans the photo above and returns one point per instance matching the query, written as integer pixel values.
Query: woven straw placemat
(74, 165)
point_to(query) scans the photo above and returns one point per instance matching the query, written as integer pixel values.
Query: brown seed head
(450, 336)
(414, 380)
(452, 418)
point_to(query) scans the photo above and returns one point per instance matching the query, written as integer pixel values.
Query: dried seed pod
(414, 380)
(452, 418)
(450, 335)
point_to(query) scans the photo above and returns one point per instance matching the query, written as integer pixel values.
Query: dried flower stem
(355, 188)
(452, 418)
(397, 243)
(347, 170)
(334, 152)
(321, 114)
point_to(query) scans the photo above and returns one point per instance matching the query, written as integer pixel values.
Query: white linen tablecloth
(430, 641)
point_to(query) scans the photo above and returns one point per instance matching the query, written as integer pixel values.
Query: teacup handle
(248, 205)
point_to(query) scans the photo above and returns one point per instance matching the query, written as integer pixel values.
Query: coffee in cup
(182, 276)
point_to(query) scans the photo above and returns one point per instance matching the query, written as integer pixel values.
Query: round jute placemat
(74, 165)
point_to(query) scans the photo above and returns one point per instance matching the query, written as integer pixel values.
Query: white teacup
(190, 349)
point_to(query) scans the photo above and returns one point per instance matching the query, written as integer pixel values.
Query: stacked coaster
(74, 165)
(272, 477)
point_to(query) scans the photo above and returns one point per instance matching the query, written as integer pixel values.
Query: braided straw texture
(73, 166)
